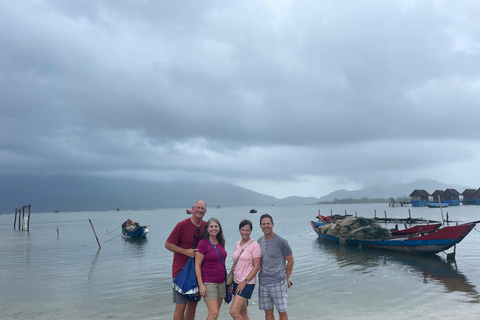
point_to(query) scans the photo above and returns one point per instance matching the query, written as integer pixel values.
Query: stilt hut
(452, 197)
(419, 197)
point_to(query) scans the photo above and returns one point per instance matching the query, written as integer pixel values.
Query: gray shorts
(271, 295)
(181, 298)
(215, 291)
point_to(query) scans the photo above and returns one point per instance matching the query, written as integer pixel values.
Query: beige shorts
(215, 291)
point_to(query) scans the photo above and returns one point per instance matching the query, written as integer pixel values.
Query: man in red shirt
(184, 236)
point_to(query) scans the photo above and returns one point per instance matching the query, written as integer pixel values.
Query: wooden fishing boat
(437, 205)
(418, 229)
(132, 230)
(434, 242)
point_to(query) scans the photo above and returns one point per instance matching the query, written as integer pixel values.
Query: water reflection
(431, 268)
(135, 248)
(434, 268)
(92, 266)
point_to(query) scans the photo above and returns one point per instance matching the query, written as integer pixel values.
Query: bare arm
(256, 268)
(198, 272)
(289, 268)
(251, 275)
(174, 248)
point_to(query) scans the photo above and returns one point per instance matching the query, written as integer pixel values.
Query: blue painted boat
(133, 230)
(437, 241)
(437, 205)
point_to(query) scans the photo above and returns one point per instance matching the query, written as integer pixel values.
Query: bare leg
(244, 311)
(213, 307)
(191, 309)
(269, 315)
(283, 315)
(179, 311)
(237, 309)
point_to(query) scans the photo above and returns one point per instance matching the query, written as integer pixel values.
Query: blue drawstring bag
(186, 281)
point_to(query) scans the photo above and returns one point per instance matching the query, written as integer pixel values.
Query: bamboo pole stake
(441, 210)
(99, 246)
(15, 220)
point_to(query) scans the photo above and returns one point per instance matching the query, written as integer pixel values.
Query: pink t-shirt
(245, 263)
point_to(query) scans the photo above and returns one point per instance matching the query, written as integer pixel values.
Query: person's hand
(240, 287)
(203, 290)
(289, 283)
(191, 253)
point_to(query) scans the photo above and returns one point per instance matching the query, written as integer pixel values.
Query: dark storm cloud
(263, 94)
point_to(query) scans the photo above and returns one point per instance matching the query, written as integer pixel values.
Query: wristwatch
(246, 280)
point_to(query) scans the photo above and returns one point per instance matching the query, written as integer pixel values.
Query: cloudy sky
(280, 97)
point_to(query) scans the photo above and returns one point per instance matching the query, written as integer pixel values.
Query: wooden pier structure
(23, 225)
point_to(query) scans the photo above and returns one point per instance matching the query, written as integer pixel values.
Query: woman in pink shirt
(246, 269)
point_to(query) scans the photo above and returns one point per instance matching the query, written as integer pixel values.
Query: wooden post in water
(15, 220)
(331, 214)
(23, 218)
(385, 215)
(19, 219)
(28, 223)
(99, 246)
(375, 213)
(409, 215)
(345, 212)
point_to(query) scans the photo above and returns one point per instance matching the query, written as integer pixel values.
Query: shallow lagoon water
(45, 277)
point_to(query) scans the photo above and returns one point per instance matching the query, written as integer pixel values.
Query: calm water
(45, 277)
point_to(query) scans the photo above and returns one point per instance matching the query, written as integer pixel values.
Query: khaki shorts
(215, 291)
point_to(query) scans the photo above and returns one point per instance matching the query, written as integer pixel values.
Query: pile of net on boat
(356, 228)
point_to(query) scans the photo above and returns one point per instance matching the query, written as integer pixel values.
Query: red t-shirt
(183, 236)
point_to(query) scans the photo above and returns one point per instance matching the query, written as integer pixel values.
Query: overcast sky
(280, 97)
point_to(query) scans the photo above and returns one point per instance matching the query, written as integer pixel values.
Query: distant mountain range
(398, 190)
(85, 193)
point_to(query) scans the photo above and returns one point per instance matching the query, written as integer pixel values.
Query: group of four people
(271, 257)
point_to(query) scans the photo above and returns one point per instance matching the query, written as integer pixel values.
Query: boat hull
(437, 205)
(425, 228)
(435, 242)
(133, 230)
(139, 233)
